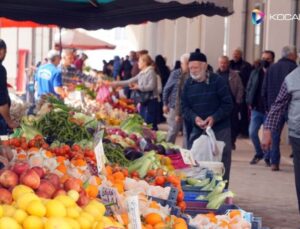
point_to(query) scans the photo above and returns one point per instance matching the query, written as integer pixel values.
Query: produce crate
(221, 211)
(171, 201)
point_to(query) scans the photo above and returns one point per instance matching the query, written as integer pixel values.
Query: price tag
(132, 203)
(99, 153)
(143, 144)
(187, 157)
(110, 196)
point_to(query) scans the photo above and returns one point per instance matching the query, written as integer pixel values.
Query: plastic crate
(171, 201)
(221, 211)
(192, 195)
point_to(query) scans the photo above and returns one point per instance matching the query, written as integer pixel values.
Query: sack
(141, 97)
(207, 148)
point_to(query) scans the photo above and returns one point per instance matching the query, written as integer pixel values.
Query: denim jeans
(149, 112)
(173, 126)
(295, 143)
(275, 148)
(3, 126)
(256, 121)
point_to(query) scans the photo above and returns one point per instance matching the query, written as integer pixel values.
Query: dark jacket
(235, 84)
(274, 79)
(243, 68)
(204, 99)
(254, 88)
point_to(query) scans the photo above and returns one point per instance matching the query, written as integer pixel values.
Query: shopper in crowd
(237, 92)
(271, 86)
(244, 69)
(169, 98)
(6, 121)
(177, 64)
(256, 104)
(162, 69)
(79, 62)
(133, 57)
(49, 77)
(187, 125)
(125, 74)
(116, 67)
(145, 81)
(287, 99)
(207, 102)
(66, 66)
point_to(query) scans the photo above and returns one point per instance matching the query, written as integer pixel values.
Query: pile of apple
(45, 184)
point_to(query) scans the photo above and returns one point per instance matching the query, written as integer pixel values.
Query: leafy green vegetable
(161, 136)
(133, 124)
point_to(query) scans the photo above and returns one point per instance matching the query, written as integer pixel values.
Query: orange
(125, 218)
(234, 213)
(118, 176)
(62, 168)
(154, 205)
(153, 218)
(92, 191)
(109, 170)
(160, 225)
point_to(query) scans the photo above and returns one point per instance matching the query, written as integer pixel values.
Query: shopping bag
(207, 148)
(103, 94)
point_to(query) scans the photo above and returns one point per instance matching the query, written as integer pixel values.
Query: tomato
(24, 146)
(22, 139)
(31, 143)
(45, 146)
(182, 205)
(66, 148)
(38, 137)
(180, 196)
(151, 173)
(76, 147)
(160, 180)
(135, 174)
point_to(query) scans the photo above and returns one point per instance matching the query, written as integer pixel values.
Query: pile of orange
(116, 176)
(155, 221)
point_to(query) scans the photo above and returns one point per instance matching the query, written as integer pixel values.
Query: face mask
(265, 64)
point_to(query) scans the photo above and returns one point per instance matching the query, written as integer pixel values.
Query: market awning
(7, 23)
(106, 14)
(80, 40)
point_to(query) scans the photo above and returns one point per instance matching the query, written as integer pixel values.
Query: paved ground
(270, 195)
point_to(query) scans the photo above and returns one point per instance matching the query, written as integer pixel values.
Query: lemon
(100, 206)
(20, 190)
(9, 223)
(73, 223)
(55, 209)
(1, 211)
(67, 201)
(84, 222)
(88, 216)
(94, 211)
(99, 225)
(20, 215)
(33, 222)
(36, 207)
(73, 212)
(25, 199)
(73, 194)
(8, 210)
(107, 222)
(57, 223)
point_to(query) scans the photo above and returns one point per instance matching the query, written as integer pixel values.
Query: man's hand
(165, 109)
(209, 122)
(134, 87)
(267, 140)
(199, 122)
(177, 118)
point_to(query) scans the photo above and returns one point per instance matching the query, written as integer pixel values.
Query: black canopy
(91, 14)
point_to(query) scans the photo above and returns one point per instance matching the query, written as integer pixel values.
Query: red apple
(5, 196)
(20, 167)
(60, 192)
(72, 184)
(54, 179)
(47, 188)
(40, 171)
(83, 200)
(8, 178)
(31, 179)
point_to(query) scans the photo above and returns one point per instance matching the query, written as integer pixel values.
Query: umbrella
(106, 14)
(7, 23)
(80, 40)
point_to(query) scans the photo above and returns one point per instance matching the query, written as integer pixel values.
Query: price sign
(110, 196)
(134, 212)
(187, 157)
(99, 152)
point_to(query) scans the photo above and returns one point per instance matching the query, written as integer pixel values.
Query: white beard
(200, 77)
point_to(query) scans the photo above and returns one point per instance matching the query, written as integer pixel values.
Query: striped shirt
(209, 98)
(170, 90)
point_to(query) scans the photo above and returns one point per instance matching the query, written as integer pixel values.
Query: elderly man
(5, 120)
(206, 102)
(48, 77)
(271, 86)
(288, 97)
(169, 97)
(237, 93)
(244, 69)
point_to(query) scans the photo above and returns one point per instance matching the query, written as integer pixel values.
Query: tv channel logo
(257, 16)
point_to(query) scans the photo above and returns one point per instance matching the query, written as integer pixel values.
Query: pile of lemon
(29, 211)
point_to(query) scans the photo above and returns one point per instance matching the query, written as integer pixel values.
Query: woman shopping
(144, 86)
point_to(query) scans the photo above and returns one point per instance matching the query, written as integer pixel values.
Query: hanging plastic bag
(207, 148)
(103, 94)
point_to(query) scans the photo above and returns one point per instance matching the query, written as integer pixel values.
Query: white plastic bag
(207, 148)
